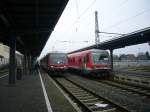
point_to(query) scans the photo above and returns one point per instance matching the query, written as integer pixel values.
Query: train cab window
(98, 58)
(103, 57)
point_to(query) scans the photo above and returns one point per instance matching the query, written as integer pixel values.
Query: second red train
(93, 61)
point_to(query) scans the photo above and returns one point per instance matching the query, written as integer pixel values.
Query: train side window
(80, 60)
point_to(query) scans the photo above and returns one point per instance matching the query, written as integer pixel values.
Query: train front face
(100, 63)
(57, 62)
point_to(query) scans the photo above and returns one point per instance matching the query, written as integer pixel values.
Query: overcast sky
(76, 27)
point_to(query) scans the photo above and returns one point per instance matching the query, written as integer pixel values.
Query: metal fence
(128, 63)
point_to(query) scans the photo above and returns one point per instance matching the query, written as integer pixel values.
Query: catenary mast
(97, 40)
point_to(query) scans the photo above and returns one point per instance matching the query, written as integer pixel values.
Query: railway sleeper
(74, 89)
(139, 90)
(148, 93)
(145, 91)
(77, 91)
(89, 100)
(78, 94)
(85, 97)
(106, 110)
(122, 85)
(133, 80)
(134, 88)
(70, 86)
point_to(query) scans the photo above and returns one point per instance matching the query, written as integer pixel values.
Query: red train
(55, 62)
(91, 61)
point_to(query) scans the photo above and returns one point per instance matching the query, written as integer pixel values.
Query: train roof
(56, 53)
(53, 52)
(90, 50)
(97, 50)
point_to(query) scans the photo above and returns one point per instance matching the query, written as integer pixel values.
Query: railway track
(131, 100)
(134, 89)
(88, 100)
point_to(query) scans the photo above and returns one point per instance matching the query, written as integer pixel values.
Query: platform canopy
(133, 38)
(30, 21)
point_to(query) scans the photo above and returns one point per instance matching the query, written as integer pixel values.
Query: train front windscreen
(58, 58)
(100, 58)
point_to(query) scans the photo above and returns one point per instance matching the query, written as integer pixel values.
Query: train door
(86, 60)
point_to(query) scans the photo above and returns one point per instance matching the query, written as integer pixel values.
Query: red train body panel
(90, 61)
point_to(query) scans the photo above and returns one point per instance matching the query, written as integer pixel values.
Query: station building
(4, 54)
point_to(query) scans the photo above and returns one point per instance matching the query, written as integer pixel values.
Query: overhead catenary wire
(65, 41)
(109, 36)
(92, 3)
(125, 20)
(80, 15)
(122, 3)
(77, 8)
(112, 33)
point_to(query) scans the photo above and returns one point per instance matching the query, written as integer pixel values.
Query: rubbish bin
(19, 74)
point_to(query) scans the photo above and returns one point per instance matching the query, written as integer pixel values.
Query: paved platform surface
(27, 95)
(56, 98)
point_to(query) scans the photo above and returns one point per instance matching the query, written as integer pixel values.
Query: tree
(122, 57)
(147, 55)
(115, 57)
(149, 43)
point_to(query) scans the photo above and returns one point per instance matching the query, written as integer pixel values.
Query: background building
(4, 54)
(4, 51)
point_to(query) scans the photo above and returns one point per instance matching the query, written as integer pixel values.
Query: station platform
(28, 95)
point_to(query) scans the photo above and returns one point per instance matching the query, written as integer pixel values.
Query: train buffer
(34, 93)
